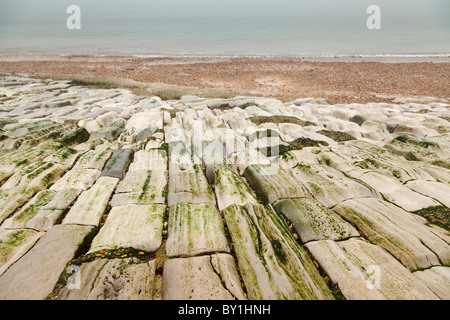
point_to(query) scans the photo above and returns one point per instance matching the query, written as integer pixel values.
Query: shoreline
(383, 58)
(339, 79)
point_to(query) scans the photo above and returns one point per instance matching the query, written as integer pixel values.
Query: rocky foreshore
(109, 195)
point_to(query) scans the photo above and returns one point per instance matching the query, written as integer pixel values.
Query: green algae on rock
(272, 263)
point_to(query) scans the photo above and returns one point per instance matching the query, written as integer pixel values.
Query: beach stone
(146, 133)
(77, 178)
(313, 221)
(273, 183)
(364, 271)
(290, 159)
(433, 189)
(14, 244)
(91, 125)
(64, 156)
(109, 133)
(38, 175)
(375, 131)
(118, 164)
(195, 229)
(437, 279)
(115, 279)
(211, 277)
(328, 185)
(132, 226)
(24, 184)
(395, 168)
(75, 137)
(190, 187)
(413, 148)
(153, 144)
(272, 264)
(141, 187)
(94, 159)
(106, 119)
(231, 189)
(43, 211)
(392, 190)
(34, 275)
(403, 234)
(91, 204)
(149, 160)
(212, 164)
(145, 119)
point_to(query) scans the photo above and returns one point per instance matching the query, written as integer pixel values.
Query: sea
(152, 28)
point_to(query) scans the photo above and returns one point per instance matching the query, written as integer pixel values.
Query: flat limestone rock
(141, 187)
(271, 262)
(116, 279)
(118, 164)
(77, 178)
(328, 185)
(14, 244)
(37, 175)
(401, 233)
(392, 190)
(64, 156)
(437, 279)
(433, 189)
(91, 204)
(313, 221)
(24, 184)
(273, 183)
(149, 160)
(189, 187)
(365, 271)
(43, 211)
(395, 168)
(34, 275)
(195, 229)
(202, 278)
(136, 226)
(94, 159)
(109, 133)
(231, 189)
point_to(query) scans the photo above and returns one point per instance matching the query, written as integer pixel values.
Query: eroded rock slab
(365, 271)
(202, 278)
(195, 229)
(437, 279)
(190, 187)
(77, 178)
(149, 160)
(94, 159)
(91, 204)
(401, 233)
(34, 275)
(313, 221)
(14, 244)
(118, 164)
(328, 185)
(43, 211)
(272, 264)
(273, 183)
(134, 226)
(393, 191)
(116, 279)
(141, 187)
(231, 189)
(433, 189)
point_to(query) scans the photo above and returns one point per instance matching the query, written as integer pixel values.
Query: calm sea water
(226, 27)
